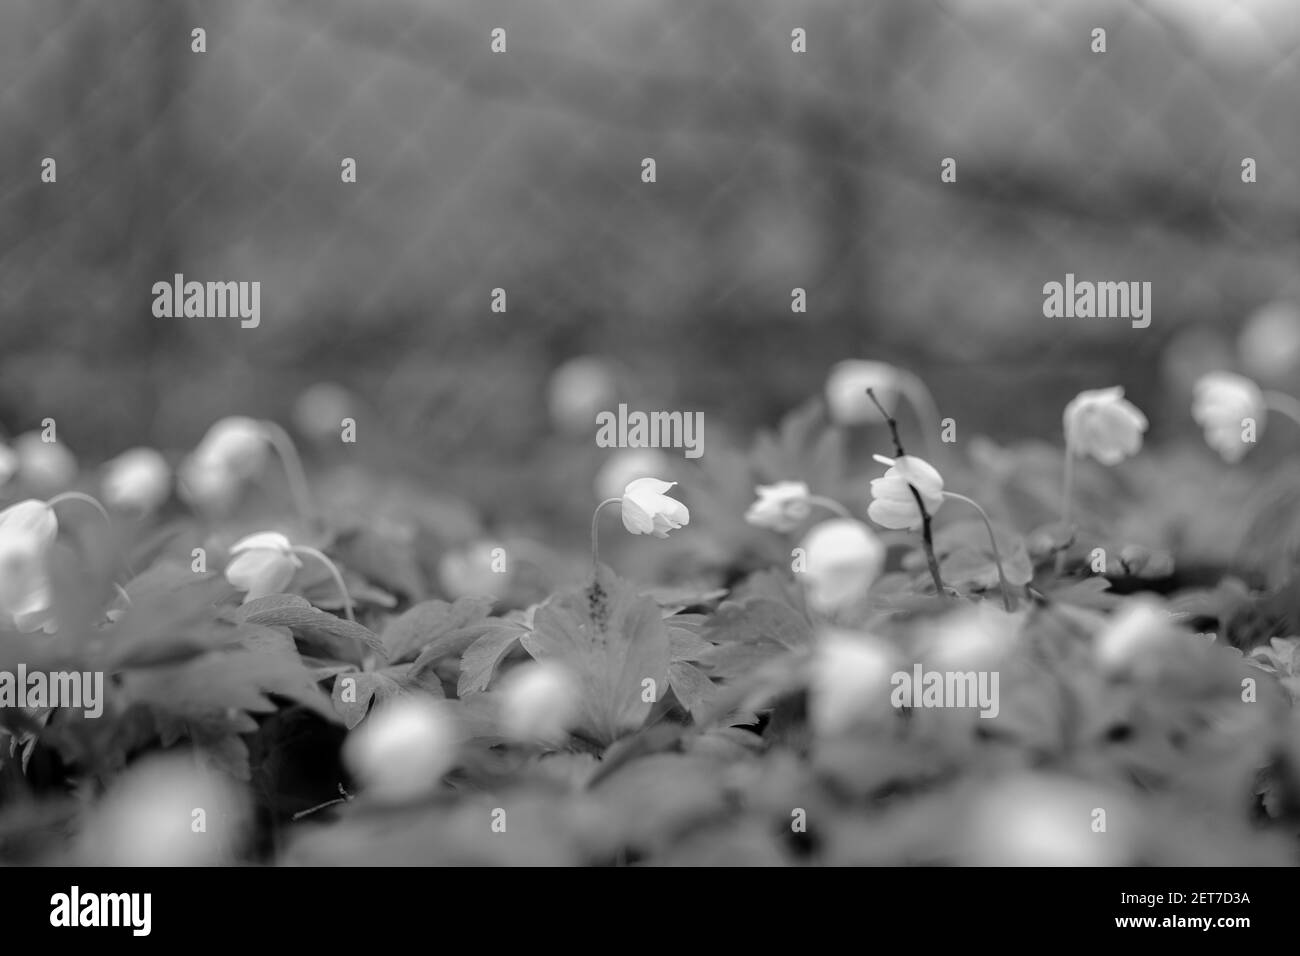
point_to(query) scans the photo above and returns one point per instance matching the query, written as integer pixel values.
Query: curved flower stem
(993, 541)
(284, 447)
(333, 569)
(79, 496)
(927, 411)
(103, 512)
(830, 504)
(595, 562)
(926, 536)
(1283, 403)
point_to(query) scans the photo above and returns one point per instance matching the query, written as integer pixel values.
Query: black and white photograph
(804, 434)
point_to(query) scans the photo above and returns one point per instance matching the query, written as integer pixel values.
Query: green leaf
(354, 692)
(291, 611)
(612, 638)
(481, 659)
(675, 600)
(434, 621)
(171, 618)
(757, 620)
(212, 698)
(693, 688)
(686, 645)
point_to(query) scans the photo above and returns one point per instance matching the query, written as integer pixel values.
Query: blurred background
(522, 171)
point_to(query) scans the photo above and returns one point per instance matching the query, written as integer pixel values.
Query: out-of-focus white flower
(648, 510)
(471, 571)
(8, 463)
(539, 702)
(780, 507)
(262, 564)
(842, 559)
(846, 391)
(44, 466)
(1269, 345)
(972, 637)
(1101, 423)
(625, 465)
(167, 811)
(319, 411)
(850, 681)
(892, 503)
(1138, 628)
(27, 532)
(580, 389)
(1039, 820)
(139, 479)
(1221, 402)
(402, 750)
(233, 451)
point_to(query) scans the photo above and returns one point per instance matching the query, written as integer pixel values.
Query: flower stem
(79, 496)
(333, 569)
(1283, 403)
(830, 504)
(926, 536)
(284, 447)
(993, 541)
(595, 552)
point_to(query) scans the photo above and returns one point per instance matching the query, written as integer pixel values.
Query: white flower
(1031, 819)
(319, 411)
(1269, 345)
(780, 507)
(972, 638)
(45, 466)
(147, 816)
(27, 532)
(1221, 402)
(539, 702)
(139, 479)
(471, 571)
(892, 503)
(1101, 423)
(578, 390)
(647, 510)
(850, 681)
(846, 391)
(627, 464)
(1134, 630)
(233, 451)
(842, 558)
(402, 750)
(262, 564)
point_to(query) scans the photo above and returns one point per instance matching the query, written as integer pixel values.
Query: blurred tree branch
(833, 131)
